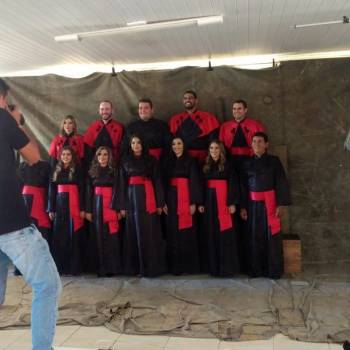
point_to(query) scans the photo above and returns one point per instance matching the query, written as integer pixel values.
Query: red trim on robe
(38, 210)
(183, 202)
(155, 152)
(74, 206)
(206, 121)
(221, 188)
(75, 141)
(269, 197)
(249, 127)
(151, 206)
(109, 215)
(114, 129)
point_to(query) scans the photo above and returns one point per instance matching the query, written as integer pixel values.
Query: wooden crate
(292, 253)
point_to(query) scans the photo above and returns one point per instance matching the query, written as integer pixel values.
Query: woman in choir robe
(105, 239)
(66, 210)
(221, 196)
(140, 199)
(68, 136)
(35, 182)
(183, 193)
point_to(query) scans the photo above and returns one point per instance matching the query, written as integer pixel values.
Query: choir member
(197, 128)
(221, 198)
(265, 195)
(140, 198)
(68, 136)
(155, 132)
(66, 210)
(35, 182)
(236, 134)
(183, 193)
(105, 131)
(106, 236)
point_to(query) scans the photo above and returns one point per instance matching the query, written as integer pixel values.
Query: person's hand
(88, 217)
(244, 214)
(82, 214)
(51, 215)
(123, 213)
(201, 209)
(119, 216)
(280, 210)
(165, 209)
(159, 211)
(232, 209)
(192, 209)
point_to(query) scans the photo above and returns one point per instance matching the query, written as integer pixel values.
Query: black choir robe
(264, 249)
(154, 133)
(182, 243)
(197, 129)
(143, 244)
(103, 242)
(221, 247)
(36, 175)
(67, 238)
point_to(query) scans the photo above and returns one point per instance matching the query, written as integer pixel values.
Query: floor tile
(335, 346)
(144, 342)
(92, 337)
(10, 336)
(247, 345)
(23, 340)
(177, 343)
(63, 333)
(282, 342)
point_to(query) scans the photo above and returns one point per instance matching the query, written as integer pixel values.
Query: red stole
(151, 206)
(183, 202)
(109, 215)
(269, 197)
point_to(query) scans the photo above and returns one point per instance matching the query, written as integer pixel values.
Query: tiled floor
(77, 337)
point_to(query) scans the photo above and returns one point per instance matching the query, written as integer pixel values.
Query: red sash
(269, 197)
(241, 151)
(225, 218)
(38, 211)
(151, 206)
(155, 152)
(198, 153)
(74, 207)
(109, 215)
(183, 202)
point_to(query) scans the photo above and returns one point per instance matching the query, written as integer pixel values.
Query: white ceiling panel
(250, 27)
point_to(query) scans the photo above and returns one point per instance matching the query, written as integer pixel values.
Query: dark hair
(193, 93)
(146, 100)
(244, 103)
(261, 134)
(171, 152)
(60, 166)
(4, 88)
(144, 148)
(209, 162)
(95, 168)
(107, 101)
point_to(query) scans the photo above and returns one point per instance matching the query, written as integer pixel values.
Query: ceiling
(250, 28)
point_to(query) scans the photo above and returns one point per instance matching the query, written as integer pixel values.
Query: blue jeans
(30, 253)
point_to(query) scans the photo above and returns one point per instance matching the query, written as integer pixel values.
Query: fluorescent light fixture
(345, 20)
(141, 26)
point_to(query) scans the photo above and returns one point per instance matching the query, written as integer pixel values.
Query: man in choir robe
(103, 132)
(237, 134)
(265, 193)
(154, 132)
(197, 128)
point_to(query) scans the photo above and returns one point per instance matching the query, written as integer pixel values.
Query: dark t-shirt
(13, 214)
